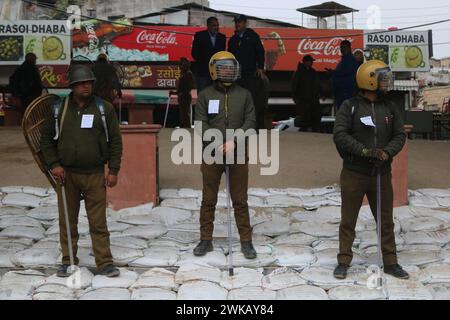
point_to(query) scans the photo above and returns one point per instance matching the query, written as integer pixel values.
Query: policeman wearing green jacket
(368, 133)
(76, 144)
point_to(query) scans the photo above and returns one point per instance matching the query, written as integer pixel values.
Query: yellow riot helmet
(375, 75)
(224, 67)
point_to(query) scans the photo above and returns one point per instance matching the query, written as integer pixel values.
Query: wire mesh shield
(32, 124)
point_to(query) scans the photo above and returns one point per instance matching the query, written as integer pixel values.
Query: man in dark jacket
(76, 147)
(344, 77)
(247, 47)
(368, 133)
(185, 85)
(306, 93)
(26, 82)
(205, 44)
(107, 84)
(225, 105)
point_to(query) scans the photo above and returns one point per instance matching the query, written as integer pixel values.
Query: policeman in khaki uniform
(235, 111)
(368, 133)
(76, 145)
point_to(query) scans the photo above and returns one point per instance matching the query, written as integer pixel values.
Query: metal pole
(230, 244)
(167, 110)
(66, 217)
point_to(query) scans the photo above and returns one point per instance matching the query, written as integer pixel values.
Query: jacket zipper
(226, 110)
(375, 130)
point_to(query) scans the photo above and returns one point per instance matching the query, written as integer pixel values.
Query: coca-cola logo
(159, 38)
(320, 46)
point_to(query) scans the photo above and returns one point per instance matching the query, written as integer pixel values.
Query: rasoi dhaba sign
(284, 46)
(50, 41)
(401, 50)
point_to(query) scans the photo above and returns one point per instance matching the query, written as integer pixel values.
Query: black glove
(378, 154)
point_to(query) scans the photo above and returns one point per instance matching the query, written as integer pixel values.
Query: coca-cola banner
(284, 46)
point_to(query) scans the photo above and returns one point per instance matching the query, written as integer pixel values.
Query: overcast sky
(400, 13)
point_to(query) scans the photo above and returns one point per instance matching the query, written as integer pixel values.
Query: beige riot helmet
(224, 67)
(375, 75)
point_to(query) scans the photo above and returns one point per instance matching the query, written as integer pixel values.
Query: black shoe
(248, 250)
(203, 247)
(62, 271)
(341, 271)
(110, 271)
(397, 271)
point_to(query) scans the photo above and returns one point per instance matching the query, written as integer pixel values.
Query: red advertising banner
(54, 76)
(155, 76)
(284, 46)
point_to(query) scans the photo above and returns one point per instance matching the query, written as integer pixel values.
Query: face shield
(385, 79)
(228, 70)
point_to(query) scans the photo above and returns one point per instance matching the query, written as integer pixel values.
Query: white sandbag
(84, 280)
(21, 200)
(11, 189)
(262, 260)
(439, 291)
(255, 202)
(418, 258)
(432, 192)
(153, 294)
(186, 204)
(53, 296)
(83, 229)
(277, 226)
(157, 257)
(445, 255)
(314, 202)
(329, 257)
(19, 221)
(128, 242)
(277, 191)
(156, 278)
(114, 226)
(168, 193)
(135, 211)
(316, 229)
(252, 293)
(331, 214)
(5, 258)
(6, 243)
(407, 290)
(214, 259)
(325, 190)
(282, 278)
(194, 272)
(107, 294)
(55, 289)
(86, 258)
(403, 212)
(295, 239)
(444, 202)
(428, 212)
(12, 211)
(123, 256)
(17, 285)
(145, 219)
(283, 201)
(258, 192)
(34, 258)
(146, 232)
(189, 193)
(323, 277)
(44, 213)
(441, 237)
(355, 292)
(49, 201)
(302, 292)
(125, 280)
(435, 274)
(416, 247)
(181, 237)
(298, 192)
(294, 256)
(243, 277)
(369, 239)
(423, 201)
(23, 232)
(186, 227)
(325, 244)
(201, 290)
(40, 192)
(171, 216)
(423, 224)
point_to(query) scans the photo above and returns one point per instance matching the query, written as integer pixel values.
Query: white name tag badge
(368, 121)
(213, 106)
(87, 121)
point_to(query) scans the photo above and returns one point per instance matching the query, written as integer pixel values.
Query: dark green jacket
(351, 135)
(236, 109)
(83, 150)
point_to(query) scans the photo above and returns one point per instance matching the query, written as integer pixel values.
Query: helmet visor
(228, 70)
(385, 79)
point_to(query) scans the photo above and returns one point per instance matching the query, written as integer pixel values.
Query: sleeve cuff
(54, 165)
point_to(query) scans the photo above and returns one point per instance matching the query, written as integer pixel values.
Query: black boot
(203, 248)
(110, 271)
(62, 271)
(341, 271)
(248, 250)
(397, 271)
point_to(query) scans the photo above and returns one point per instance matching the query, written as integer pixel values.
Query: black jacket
(351, 135)
(202, 50)
(305, 84)
(26, 82)
(248, 50)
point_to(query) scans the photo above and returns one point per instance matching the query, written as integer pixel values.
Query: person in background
(107, 84)
(306, 94)
(359, 56)
(344, 77)
(185, 85)
(26, 82)
(205, 44)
